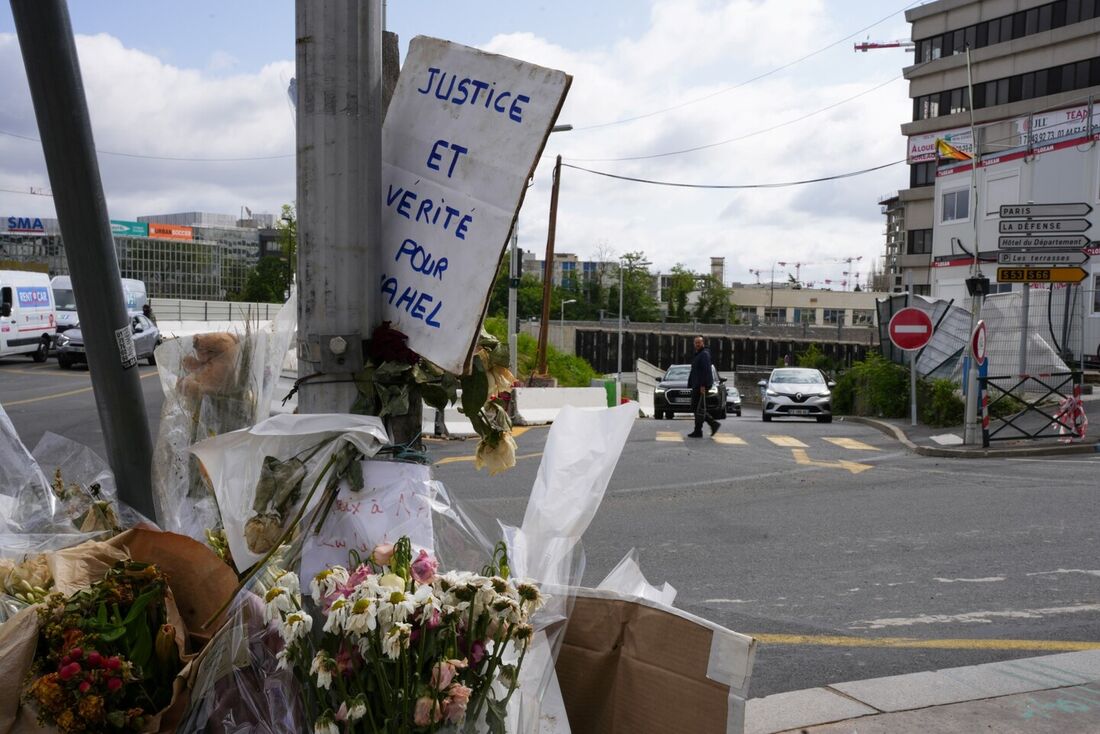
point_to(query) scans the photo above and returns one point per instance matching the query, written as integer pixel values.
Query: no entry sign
(910, 328)
(978, 342)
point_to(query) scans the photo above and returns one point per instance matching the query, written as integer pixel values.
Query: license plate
(799, 411)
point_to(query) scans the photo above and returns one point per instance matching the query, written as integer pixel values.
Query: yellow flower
(496, 456)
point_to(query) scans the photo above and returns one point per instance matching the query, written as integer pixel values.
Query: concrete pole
(339, 72)
(57, 91)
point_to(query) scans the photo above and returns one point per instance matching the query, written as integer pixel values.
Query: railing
(171, 309)
(1050, 405)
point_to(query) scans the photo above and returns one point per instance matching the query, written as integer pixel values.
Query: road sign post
(1072, 274)
(910, 329)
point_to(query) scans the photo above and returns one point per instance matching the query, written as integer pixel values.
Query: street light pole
(561, 323)
(619, 351)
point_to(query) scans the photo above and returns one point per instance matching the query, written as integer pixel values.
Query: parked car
(797, 391)
(672, 395)
(70, 344)
(733, 401)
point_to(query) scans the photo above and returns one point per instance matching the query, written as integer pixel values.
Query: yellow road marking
(519, 430)
(728, 440)
(909, 642)
(67, 393)
(849, 443)
(456, 459)
(670, 436)
(58, 373)
(789, 442)
(802, 458)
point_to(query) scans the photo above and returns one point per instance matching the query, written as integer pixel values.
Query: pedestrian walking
(147, 311)
(700, 381)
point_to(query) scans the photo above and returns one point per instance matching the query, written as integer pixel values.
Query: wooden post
(548, 272)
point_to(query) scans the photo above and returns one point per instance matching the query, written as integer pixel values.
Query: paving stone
(786, 711)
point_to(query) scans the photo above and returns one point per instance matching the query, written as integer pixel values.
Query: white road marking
(1064, 570)
(728, 601)
(990, 579)
(984, 617)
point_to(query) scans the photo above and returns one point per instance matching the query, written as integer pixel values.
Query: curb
(950, 453)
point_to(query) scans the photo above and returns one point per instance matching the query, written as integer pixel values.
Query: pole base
(542, 381)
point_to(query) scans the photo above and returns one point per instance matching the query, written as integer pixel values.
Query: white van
(27, 315)
(62, 285)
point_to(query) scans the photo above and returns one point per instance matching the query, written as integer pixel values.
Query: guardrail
(172, 309)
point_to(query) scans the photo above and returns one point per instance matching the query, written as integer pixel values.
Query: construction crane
(868, 45)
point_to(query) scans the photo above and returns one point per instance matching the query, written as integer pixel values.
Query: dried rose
(389, 345)
(165, 646)
(496, 456)
(262, 532)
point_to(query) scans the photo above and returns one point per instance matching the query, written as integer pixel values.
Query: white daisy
(325, 582)
(277, 601)
(337, 615)
(296, 625)
(323, 667)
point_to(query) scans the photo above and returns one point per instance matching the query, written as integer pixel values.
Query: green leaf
(434, 395)
(475, 389)
(355, 476)
(142, 650)
(395, 401)
(389, 372)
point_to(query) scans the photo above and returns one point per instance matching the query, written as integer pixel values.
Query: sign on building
(170, 232)
(462, 136)
(121, 228)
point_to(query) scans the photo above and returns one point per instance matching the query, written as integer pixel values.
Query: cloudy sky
(169, 83)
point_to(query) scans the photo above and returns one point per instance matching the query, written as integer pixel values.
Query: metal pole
(513, 288)
(1081, 321)
(339, 72)
(57, 91)
(1025, 308)
(619, 351)
(913, 387)
(548, 271)
(971, 425)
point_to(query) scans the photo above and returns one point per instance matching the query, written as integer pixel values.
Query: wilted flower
(323, 667)
(500, 379)
(427, 711)
(165, 647)
(288, 580)
(262, 532)
(395, 640)
(277, 600)
(357, 707)
(496, 455)
(362, 618)
(382, 554)
(337, 614)
(325, 724)
(454, 706)
(295, 626)
(424, 567)
(325, 582)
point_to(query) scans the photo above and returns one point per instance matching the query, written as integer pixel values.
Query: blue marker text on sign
(404, 201)
(33, 297)
(449, 88)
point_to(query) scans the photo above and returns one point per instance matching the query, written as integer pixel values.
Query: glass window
(970, 37)
(1027, 85)
(1081, 74)
(1031, 21)
(1045, 18)
(924, 51)
(955, 205)
(1058, 14)
(994, 31)
(832, 315)
(1015, 85)
(922, 174)
(945, 103)
(922, 290)
(775, 315)
(982, 36)
(1068, 76)
(1019, 25)
(919, 242)
(1073, 11)
(1002, 91)
(959, 42)
(1040, 83)
(937, 47)
(1088, 9)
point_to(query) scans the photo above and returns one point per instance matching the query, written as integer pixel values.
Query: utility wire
(750, 80)
(165, 157)
(727, 141)
(784, 184)
(23, 191)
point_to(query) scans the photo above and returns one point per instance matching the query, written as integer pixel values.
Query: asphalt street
(846, 556)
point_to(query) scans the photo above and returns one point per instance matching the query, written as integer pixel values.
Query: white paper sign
(395, 501)
(461, 137)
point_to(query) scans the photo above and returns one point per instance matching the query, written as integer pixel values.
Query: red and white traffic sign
(910, 328)
(977, 342)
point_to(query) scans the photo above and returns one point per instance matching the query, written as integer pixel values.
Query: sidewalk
(947, 442)
(1051, 694)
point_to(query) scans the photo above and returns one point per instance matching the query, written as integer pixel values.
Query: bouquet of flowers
(402, 648)
(107, 655)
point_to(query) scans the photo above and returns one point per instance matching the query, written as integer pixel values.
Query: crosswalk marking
(849, 443)
(728, 440)
(674, 436)
(788, 442)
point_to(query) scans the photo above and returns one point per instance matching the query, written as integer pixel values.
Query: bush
(939, 404)
(569, 370)
(814, 358)
(874, 387)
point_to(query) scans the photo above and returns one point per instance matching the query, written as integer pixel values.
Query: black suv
(673, 396)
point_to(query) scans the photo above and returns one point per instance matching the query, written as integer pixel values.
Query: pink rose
(442, 675)
(359, 576)
(427, 711)
(454, 707)
(423, 568)
(382, 554)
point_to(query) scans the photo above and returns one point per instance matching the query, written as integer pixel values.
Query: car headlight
(62, 340)
(659, 391)
(713, 390)
(771, 392)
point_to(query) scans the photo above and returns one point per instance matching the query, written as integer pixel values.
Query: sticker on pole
(910, 328)
(978, 342)
(126, 351)
(462, 136)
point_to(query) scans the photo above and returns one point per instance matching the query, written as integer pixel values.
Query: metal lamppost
(561, 322)
(619, 351)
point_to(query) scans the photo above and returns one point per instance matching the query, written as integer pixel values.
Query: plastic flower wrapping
(385, 604)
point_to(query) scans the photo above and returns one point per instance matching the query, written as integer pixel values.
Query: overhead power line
(165, 157)
(750, 80)
(28, 192)
(784, 184)
(727, 141)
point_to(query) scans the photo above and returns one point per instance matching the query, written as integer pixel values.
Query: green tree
(638, 301)
(681, 282)
(267, 282)
(713, 306)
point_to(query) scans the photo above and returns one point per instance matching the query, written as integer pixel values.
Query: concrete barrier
(539, 405)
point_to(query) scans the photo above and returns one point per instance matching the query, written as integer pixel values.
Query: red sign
(910, 328)
(977, 342)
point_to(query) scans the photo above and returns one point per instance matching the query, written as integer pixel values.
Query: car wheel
(824, 419)
(63, 362)
(152, 360)
(42, 352)
(765, 417)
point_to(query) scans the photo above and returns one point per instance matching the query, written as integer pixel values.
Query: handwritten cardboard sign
(395, 501)
(462, 136)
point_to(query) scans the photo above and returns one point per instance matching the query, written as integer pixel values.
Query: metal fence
(1028, 407)
(171, 309)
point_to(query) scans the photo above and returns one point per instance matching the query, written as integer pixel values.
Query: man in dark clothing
(700, 381)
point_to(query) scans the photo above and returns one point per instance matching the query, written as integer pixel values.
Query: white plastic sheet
(232, 461)
(627, 579)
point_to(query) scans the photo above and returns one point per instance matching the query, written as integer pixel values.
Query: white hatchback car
(797, 391)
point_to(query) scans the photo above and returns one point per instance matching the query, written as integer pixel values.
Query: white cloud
(692, 49)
